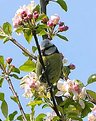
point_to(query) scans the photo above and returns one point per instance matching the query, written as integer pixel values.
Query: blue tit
(52, 60)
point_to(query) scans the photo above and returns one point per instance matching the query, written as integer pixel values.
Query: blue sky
(80, 50)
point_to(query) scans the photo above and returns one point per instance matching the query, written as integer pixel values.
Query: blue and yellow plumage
(52, 60)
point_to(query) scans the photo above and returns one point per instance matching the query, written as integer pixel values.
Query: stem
(43, 66)
(15, 95)
(23, 49)
(43, 4)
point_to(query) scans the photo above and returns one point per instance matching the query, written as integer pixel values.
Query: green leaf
(45, 106)
(62, 37)
(2, 36)
(28, 66)
(28, 35)
(34, 49)
(43, 32)
(12, 115)
(75, 117)
(66, 71)
(40, 28)
(37, 8)
(56, 118)
(7, 28)
(92, 94)
(1, 81)
(2, 60)
(91, 79)
(19, 30)
(63, 4)
(6, 39)
(1, 96)
(14, 99)
(16, 70)
(15, 76)
(40, 117)
(20, 118)
(41, 17)
(79, 83)
(87, 109)
(4, 108)
(35, 102)
(27, 117)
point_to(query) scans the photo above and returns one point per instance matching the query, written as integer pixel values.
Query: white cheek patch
(50, 51)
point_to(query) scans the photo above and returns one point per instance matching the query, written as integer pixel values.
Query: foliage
(69, 99)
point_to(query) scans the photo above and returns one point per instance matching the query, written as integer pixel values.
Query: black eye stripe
(49, 47)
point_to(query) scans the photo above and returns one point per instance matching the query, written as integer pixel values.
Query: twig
(15, 95)
(43, 4)
(43, 66)
(23, 49)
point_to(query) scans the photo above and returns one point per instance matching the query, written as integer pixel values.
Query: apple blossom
(24, 13)
(92, 115)
(62, 28)
(71, 88)
(50, 116)
(9, 60)
(50, 24)
(35, 14)
(55, 19)
(29, 83)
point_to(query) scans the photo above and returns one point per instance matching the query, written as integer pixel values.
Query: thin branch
(43, 66)
(15, 95)
(43, 4)
(23, 49)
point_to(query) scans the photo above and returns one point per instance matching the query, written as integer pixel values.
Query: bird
(52, 60)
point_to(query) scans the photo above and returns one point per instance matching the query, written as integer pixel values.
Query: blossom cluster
(24, 13)
(92, 115)
(30, 84)
(71, 88)
(54, 20)
(50, 116)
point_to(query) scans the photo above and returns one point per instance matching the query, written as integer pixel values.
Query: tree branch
(15, 95)
(43, 4)
(23, 49)
(43, 66)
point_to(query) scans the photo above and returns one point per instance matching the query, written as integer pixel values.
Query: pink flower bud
(50, 24)
(72, 66)
(63, 28)
(9, 60)
(23, 14)
(30, 16)
(35, 14)
(61, 23)
(55, 19)
(76, 88)
(66, 28)
(45, 20)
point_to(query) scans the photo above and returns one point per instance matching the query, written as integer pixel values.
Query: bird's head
(48, 48)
